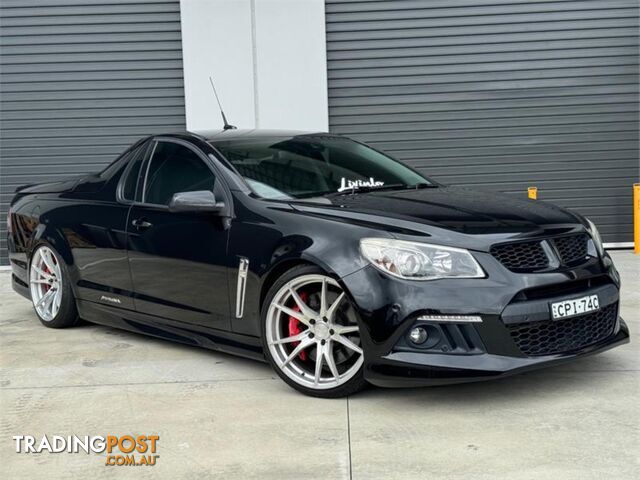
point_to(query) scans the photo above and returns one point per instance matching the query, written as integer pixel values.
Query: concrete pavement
(219, 416)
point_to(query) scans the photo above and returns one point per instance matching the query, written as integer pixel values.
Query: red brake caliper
(47, 286)
(295, 327)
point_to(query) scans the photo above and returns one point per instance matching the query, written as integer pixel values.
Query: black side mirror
(198, 201)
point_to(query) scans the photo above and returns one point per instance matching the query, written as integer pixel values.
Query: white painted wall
(216, 41)
(267, 58)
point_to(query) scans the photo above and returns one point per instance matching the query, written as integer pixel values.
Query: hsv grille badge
(573, 307)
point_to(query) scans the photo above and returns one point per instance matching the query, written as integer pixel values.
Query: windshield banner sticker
(355, 184)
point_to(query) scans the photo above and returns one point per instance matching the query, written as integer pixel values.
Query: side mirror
(198, 201)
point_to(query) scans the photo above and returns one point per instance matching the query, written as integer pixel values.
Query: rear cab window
(129, 184)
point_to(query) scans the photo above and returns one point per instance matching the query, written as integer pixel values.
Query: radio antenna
(227, 125)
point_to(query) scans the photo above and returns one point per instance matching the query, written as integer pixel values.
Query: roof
(213, 136)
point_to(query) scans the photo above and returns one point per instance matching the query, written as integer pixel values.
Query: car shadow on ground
(580, 375)
(172, 346)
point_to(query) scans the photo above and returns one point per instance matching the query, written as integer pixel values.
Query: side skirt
(241, 345)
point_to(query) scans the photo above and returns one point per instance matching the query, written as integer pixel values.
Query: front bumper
(506, 302)
(408, 369)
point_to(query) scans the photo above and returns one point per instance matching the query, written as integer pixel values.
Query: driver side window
(175, 168)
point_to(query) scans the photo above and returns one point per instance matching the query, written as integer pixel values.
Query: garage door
(80, 82)
(498, 95)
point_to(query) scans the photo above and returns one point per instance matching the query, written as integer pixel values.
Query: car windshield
(305, 166)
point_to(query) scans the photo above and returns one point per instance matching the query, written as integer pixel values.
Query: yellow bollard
(533, 193)
(636, 218)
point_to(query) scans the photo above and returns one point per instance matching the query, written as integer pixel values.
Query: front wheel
(311, 334)
(50, 288)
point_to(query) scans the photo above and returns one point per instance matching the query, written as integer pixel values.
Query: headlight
(597, 240)
(419, 261)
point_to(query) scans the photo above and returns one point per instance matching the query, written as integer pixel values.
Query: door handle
(141, 223)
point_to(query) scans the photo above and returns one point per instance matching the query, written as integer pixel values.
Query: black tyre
(311, 335)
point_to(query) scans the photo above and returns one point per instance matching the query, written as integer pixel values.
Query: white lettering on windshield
(355, 184)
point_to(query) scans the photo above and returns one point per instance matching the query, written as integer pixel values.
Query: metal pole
(636, 218)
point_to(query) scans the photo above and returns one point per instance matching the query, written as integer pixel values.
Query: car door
(95, 230)
(178, 261)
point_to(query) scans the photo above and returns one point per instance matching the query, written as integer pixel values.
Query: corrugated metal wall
(497, 94)
(80, 81)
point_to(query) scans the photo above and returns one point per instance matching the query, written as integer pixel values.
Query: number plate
(573, 307)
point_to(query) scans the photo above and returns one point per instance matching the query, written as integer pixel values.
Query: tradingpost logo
(120, 450)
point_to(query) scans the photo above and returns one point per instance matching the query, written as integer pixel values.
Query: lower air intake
(559, 336)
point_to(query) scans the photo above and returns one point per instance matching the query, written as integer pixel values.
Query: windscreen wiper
(420, 185)
(390, 186)
(366, 189)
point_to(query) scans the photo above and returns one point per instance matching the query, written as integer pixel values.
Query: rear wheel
(50, 289)
(311, 334)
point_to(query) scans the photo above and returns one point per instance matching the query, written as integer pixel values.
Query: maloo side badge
(104, 298)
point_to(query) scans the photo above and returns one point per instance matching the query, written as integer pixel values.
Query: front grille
(521, 257)
(572, 249)
(531, 256)
(558, 336)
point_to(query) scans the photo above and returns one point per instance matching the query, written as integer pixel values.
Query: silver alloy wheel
(329, 334)
(45, 280)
